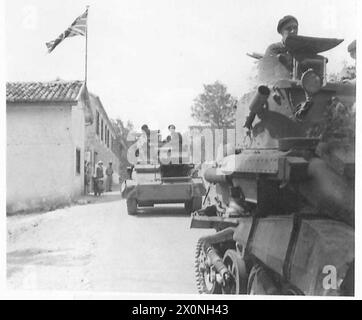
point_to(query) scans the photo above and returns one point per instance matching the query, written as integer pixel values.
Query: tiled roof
(56, 91)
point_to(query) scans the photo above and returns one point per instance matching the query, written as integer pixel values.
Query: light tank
(282, 203)
(163, 176)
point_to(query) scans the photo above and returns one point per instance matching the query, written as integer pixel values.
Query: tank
(282, 203)
(167, 177)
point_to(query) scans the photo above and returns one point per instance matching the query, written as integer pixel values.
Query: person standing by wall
(98, 179)
(87, 177)
(109, 173)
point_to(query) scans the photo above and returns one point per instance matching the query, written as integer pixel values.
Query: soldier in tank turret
(286, 26)
(175, 138)
(143, 144)
(277, 61)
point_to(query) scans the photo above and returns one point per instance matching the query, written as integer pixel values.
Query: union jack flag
(77, 28)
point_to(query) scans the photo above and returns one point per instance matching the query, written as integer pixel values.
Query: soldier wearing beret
(286, 26)
(175, 138)
(277, 59)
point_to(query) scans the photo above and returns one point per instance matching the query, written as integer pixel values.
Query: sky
(148, 60)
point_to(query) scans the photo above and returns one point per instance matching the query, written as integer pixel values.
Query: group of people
(174, 140)
(171, 128)
(98, 178)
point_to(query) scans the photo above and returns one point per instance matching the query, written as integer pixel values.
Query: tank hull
(164, 192)
(156, 184)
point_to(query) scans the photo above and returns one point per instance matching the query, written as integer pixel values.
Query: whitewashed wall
(41, 142)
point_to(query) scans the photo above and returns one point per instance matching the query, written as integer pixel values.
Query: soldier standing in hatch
(277, 60)
(176, 140)
(109, 173)
(287, 25)
(143, 144)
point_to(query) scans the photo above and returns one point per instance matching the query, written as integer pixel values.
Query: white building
(100, 140)
(45, 143)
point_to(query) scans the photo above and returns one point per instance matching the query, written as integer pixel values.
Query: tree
(120, 144)
(214, 106)
(348, 72)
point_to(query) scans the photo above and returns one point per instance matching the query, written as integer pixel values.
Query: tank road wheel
(237, 283)
(205, 274)
(132, 206)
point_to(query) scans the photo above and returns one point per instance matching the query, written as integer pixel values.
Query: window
(105, 134)
(95, 159)
(102, 129)
(107, 138)
(77, 161)
(97, 123)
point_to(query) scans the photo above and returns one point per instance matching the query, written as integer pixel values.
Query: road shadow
(80, 201)
(169, 211)
(105, 197)
(18, 259)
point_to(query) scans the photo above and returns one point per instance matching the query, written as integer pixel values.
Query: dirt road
(99, 247)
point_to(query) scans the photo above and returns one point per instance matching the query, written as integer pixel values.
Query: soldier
(109, 173)
(176, 140)
(277, 60)
(87, 177)
(286, 26)
(98, 179)
(146, 130)
(143, 144)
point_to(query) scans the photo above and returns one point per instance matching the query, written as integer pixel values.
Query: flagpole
(86, 49)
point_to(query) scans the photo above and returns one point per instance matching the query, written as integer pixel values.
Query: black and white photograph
(167, 148)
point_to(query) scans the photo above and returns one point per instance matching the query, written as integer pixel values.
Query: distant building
(100, 143)
(45, 143)
(208, 143)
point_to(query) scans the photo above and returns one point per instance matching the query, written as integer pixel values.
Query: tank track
(200, 281)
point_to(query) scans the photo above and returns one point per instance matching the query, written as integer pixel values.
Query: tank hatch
(310, 45)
